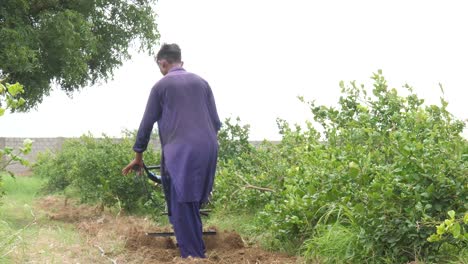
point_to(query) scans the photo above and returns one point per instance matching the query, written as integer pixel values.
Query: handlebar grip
(155, 167)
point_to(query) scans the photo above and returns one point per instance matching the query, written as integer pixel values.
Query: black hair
(169, 52)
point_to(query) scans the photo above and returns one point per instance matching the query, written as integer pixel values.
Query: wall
(39, 145)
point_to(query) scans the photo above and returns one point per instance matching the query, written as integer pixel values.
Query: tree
(72, 43)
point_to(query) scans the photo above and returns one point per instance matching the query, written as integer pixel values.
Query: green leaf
(353, 169)
(342, 86)
(2, 89)
(15, 89)
(2, 111)
(465, 218)
(448, 222)
(441, 229)
(456, 229)
(7, 150)
(419, 206)
(451, 213)
(21, 102)
(433, 238)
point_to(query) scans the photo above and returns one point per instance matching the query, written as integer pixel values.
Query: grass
(332, 244)
(241, 222)
(26, 234)
(16, 205)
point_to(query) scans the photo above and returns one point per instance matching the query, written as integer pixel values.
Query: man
(183, 105)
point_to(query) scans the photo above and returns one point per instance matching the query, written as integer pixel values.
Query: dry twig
(103, 254)
(250, 186)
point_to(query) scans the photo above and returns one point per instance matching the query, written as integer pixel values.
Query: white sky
(259, 56)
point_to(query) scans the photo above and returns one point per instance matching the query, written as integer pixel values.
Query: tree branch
(249, 186)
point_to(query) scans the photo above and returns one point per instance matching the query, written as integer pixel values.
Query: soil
(123, 239)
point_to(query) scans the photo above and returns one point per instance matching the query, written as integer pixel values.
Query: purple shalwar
(183, 105)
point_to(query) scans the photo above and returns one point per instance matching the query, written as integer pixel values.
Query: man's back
(188, 110)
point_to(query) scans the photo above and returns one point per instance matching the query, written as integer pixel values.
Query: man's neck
(175, 65)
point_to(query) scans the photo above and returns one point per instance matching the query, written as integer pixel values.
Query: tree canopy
(72, 43)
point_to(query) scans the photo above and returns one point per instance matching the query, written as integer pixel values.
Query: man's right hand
(136, 164)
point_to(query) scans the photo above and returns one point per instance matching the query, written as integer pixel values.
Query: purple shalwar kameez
(183, 105)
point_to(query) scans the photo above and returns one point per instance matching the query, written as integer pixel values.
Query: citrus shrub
(247, 175)
(93, 167)
(385, 166)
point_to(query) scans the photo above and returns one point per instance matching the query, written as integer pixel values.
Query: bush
(57, 167)
(247, 176)
(391, 163)
(233, 140)
(93, 166)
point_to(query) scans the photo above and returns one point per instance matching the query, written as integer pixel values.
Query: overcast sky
(258, 56)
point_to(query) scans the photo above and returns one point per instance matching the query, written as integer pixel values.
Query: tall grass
(16, 213)
(332, 244)
(27, 235)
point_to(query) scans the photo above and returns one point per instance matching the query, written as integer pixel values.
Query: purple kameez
(183, 105)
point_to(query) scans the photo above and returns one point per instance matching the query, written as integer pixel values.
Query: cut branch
(249, 186)
(103, 254)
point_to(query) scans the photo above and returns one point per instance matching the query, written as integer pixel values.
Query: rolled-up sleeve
(152, 114)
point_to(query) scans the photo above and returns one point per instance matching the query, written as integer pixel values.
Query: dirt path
(123, 239)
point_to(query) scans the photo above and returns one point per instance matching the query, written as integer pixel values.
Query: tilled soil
(123, 239)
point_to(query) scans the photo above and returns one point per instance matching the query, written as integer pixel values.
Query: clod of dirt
(138, 239)
(223, 240)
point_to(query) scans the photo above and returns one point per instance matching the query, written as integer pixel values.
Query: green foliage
(56, 167)
(246, 182)
(246, 175)
(11, 155)
(93, 166)
(10, 100)
(10, 96)
(452, 230)
(72, 43)
(387, 159)
(233, 140)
